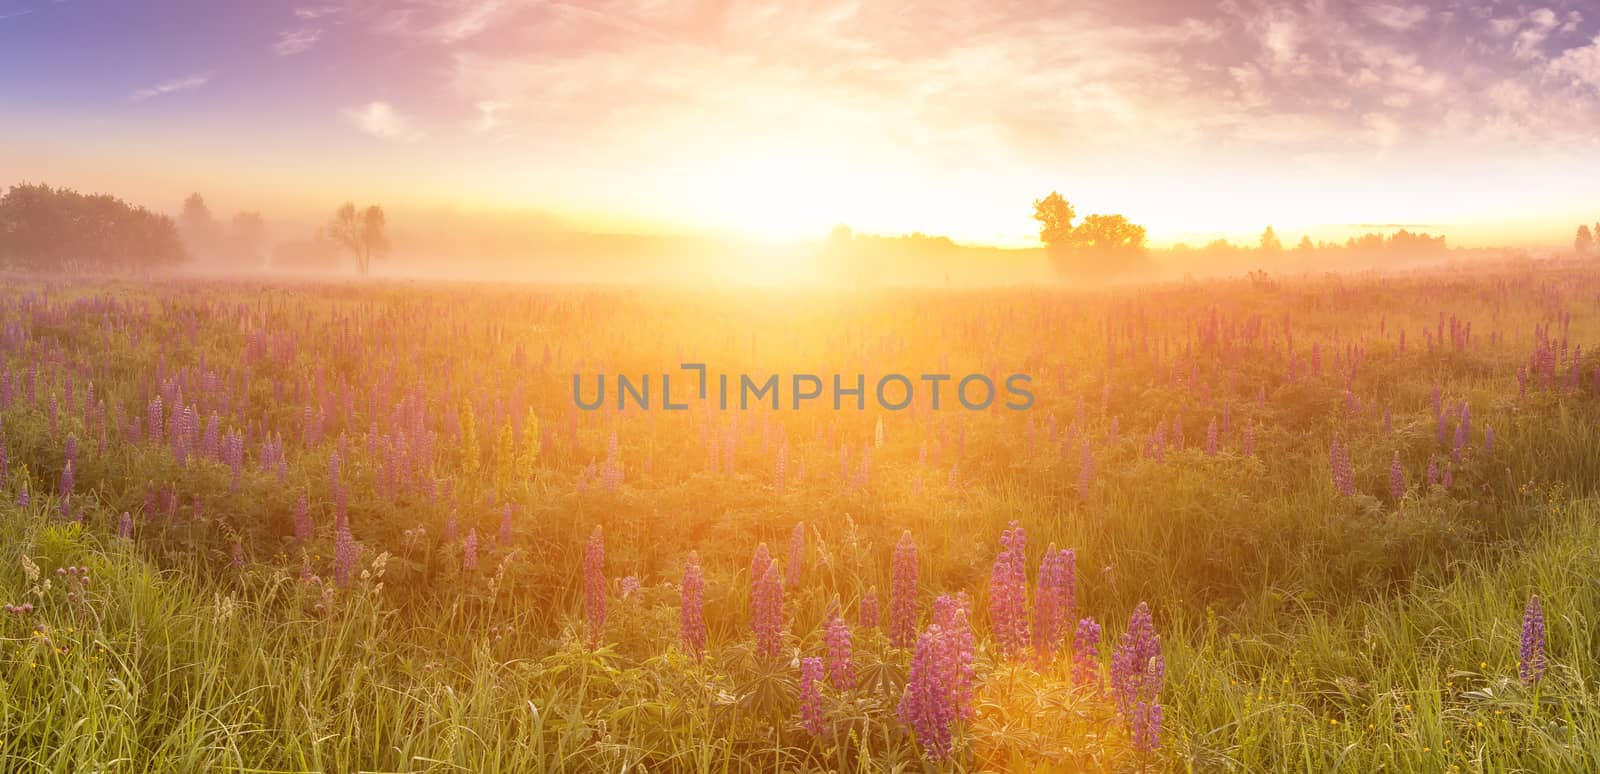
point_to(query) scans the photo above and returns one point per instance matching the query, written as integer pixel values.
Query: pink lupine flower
(868, 609)
(1052, 601)
(594, 586)
(302, 520)
(950, 613)
(903, 593)
(1086, 654)
(811, 695)
(125, 526)
(345, 551)
(841, 664)
(692, 619)
(1008, 592)
(766, 612)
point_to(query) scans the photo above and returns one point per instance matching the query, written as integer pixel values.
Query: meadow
(1314, 523)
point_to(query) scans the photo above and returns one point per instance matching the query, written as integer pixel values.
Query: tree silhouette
(1269, 241)
(361, 232)
(58, 229)
(1055, 216)
(248, 232)
(1584, 241)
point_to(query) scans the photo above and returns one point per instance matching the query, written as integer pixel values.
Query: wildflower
(691, 607)
(505, 525)
(797, 552)
(238, 555)
(1086, 653)
(1488, 440)
(302, 520)
(867, 610)
(950, 614)
(344, 555)
(594, 585)
(841, 666)
(1211, 439)
(1137, 669)
(759, 562)
(469, 551)
(928, 705)
(1008, 592)
(125, 526)
(630, 586)
(766, 611)
(1248, 443)
(811, 695)
(1397, 479)
(903, 593)
(1053, 600)
(1532, 664)
(1085, 471)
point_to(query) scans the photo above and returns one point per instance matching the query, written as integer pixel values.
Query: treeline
(61, 230)
(1402, 243)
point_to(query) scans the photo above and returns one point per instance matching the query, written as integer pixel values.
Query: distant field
(1351, 519)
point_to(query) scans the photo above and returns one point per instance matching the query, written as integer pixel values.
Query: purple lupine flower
(238, 555)
(811, 695)
(903, 593)
(1086, 653)
(867, 610)
(1433, 472)
(1008, 592)
(928, 705)
(1488, 439)
(1463, 432)
(1211, 439)
(1052, 601)
(841, 664)
(1397, 479)
(1137, 669)
(125, 526)
(594, 586)
(692, 606)
(302, 520)
(950, 614)
(797, 552)
(344, 555)
(766, 611)
(469, 551)
(1532, 665)
(630, 586)
(1146, 722)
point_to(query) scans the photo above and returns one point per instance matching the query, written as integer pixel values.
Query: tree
(1269, 241)
(1305, 245)
(1108, 236)
(361, 232)
(58, 229)
(1055, 216)
(199, 230)
(248, 232)
(1585, 241)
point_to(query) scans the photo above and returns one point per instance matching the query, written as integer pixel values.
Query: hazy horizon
(754, 121)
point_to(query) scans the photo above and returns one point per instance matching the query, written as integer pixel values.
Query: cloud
(312, 13)
(1397, 17)
(489, 115)
(176, 85)
(296, 41)
(381, 120)
(1581, 64)
(15, 14)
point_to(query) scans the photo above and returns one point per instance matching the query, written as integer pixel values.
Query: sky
(1478, 119)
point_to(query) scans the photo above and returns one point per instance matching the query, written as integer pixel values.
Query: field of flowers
(1335, 523)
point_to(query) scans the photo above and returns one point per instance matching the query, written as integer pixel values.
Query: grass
(1302, 629)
